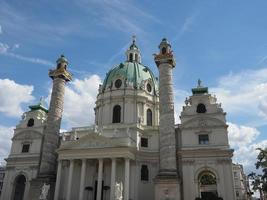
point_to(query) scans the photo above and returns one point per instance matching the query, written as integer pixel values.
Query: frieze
(188, 162)
(224, 161)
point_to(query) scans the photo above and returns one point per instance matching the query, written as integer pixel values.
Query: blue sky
(221, 42)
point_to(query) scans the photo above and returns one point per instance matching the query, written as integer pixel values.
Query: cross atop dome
(133, 53)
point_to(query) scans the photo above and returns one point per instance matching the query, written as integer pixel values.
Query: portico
(92, 173)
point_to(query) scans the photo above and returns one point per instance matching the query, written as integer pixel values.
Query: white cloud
(3, 48)
(243, 140)
(241, 135)
(79, 101)
(244, 94)
(1, 30)
(6, 134)
(12, 96)
(247, 155)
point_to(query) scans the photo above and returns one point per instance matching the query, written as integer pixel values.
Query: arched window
(136, 57)
(163, 50)
(144, 173)
(116, 114)
(30, 122)
(131, 57)
(207, 178)
(148, 87)
(201, 108)
(19, 187)
(149, 117)
(207, 185)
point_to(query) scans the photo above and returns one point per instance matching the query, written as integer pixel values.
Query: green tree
(256, 182)
(262, 164)
(259, 182)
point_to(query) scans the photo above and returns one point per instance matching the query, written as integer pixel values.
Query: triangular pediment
(91, 141)
(203, 122)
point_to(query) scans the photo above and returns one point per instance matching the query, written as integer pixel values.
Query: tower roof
(39, 106)
(62, 59)
(133, 53)
(200, 89)
(133, 45)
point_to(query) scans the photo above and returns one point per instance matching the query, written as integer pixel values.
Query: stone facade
(23, 160)
(2, 175)
(134, 151)
(241, 183)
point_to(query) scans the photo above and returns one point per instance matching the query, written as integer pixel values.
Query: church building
(134, 150)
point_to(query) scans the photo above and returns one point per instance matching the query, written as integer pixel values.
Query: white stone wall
(24, 163)
(215, 156)
(134, 104)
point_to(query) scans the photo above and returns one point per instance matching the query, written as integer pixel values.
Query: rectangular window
(235, 174)
(144, 173)
(25, 148)
(144, 142)
(203, 139)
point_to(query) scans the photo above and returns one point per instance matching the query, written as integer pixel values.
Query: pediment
(90, 141)
(27, 135)
(203, 122)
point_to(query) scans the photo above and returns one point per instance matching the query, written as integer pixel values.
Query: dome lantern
(133, 53)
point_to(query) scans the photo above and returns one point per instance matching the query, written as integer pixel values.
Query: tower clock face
(118, 83)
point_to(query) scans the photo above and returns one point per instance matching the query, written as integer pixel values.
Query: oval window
(118, 83)
(201, 108)
(164, 50)
(148, 87)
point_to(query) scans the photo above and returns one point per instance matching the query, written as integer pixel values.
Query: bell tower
(133, 53)
(166, 183)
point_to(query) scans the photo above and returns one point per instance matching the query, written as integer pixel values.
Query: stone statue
(186, 101)
(44, 191)
(118, 191)
(199, 83)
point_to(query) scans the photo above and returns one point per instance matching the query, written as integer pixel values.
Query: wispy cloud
(7, 51)
(1, 30)
(186, 26)
(30, 59)
(110, 61)
(262, 60)
(119, 15)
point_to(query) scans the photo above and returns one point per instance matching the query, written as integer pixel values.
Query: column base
(167, 186)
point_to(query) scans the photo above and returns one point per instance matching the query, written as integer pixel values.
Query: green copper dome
(131, 75)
